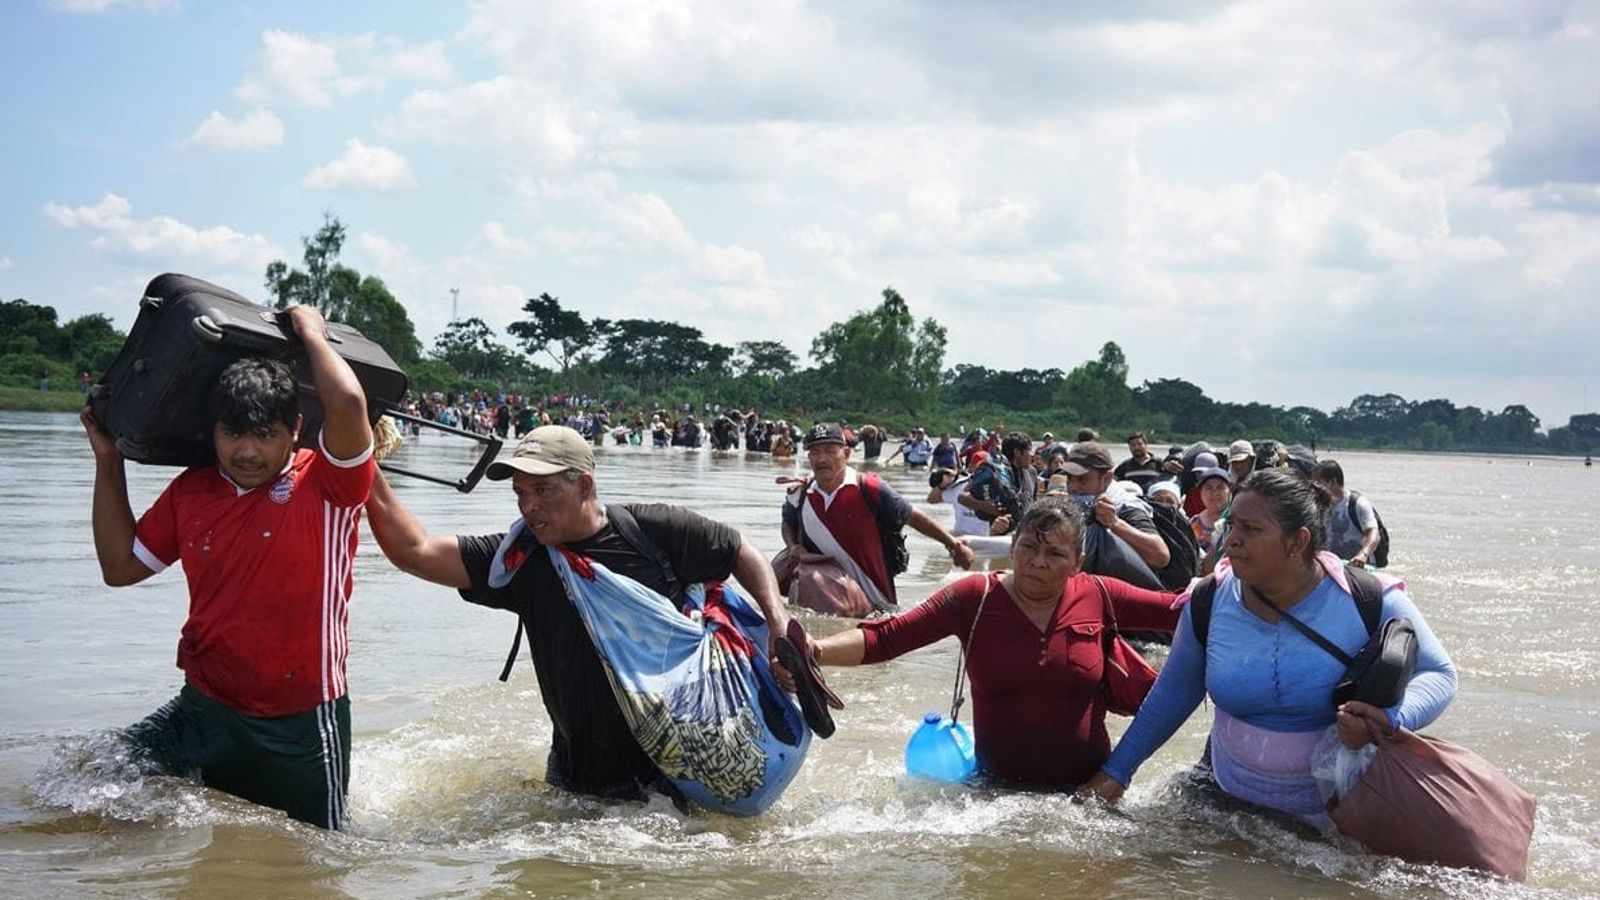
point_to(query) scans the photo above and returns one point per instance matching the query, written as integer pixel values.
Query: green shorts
(298, 763)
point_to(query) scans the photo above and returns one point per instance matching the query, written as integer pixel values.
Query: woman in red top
(1036, 655)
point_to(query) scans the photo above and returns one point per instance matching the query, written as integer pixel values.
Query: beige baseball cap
(546, 450)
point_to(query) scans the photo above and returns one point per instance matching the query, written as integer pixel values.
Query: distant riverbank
(29, 400)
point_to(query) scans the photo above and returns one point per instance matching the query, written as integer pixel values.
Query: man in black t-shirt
(1140, 460)
(593, 750)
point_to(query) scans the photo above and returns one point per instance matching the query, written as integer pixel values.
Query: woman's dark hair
(254, 393)
(1296, 502)
(1048, 513)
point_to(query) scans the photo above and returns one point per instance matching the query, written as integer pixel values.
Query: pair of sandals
(794, 651)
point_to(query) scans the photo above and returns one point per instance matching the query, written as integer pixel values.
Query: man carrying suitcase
(266, 536)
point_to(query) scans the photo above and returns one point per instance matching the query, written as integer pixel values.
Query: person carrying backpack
(1355, 531)
(1272, 685)
(856, 518)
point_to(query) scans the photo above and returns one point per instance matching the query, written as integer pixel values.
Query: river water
(447, 798)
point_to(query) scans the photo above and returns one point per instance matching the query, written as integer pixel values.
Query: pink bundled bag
(814, 581)
(1431, 801)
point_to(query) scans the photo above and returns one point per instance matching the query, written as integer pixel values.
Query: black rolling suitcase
(152, 397)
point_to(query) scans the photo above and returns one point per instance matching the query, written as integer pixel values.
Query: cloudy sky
(1282, 201)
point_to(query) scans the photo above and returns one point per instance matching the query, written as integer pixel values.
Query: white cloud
(293, 68)
(391, 258)
(530, 122)
(5, 263)
(362, 168)
(256, 130)
(505, 244)
(101, 6)
(396, 59)
(111, 221)
(297, 69)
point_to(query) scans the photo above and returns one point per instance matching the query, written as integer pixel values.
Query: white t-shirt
(966, 521)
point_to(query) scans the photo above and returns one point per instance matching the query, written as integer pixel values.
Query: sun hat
(546, 450)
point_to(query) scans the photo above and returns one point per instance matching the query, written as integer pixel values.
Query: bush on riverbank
(32, 400)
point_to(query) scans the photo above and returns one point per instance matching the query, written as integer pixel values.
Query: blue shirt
(1272, 676)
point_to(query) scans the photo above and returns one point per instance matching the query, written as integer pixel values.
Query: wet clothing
(944, 455)
(1345, 536)
(917, 452)
(966, 521)
(298, 763)
(1273, 679)
(1011, 487)
(269, 576)
(592, 750)
(856, 541)
(1038, 702)
(263, 712)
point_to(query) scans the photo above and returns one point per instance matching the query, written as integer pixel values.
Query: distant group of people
(266, 533)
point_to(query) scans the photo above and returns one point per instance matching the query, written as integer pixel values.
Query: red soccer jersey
(269, 572)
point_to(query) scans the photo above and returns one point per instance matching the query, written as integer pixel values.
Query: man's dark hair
(1136, 436)
(1014, 442)
(254, 393)
(1088, 434)
(1330, 472)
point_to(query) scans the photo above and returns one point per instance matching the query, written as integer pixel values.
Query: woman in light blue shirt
(1271, 687)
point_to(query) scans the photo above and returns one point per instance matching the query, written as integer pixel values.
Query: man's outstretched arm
(435, 558)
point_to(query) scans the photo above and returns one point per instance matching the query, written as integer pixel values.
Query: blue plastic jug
(941, 749)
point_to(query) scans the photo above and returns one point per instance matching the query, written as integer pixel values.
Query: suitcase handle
(491, 449)
(207, 330)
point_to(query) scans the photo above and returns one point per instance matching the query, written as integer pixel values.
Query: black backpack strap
(1200, 601)
(1368, 591)
(870, 485)
(516, 647)
(1316, 637)
(628, 527)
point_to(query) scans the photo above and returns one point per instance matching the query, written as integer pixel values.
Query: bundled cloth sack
(817, 582)
(694, 684)
(1430, 801)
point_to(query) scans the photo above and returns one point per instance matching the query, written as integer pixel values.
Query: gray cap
(546, 450)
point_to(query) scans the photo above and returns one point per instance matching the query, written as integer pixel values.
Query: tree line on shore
(879, 365)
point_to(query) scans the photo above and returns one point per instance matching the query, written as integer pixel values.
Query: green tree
(1098, 389)
(1183, 402)
(28, 328)
(471, 348)
(375, 312)
(764, 359)
(1516, 427)
(320, 283)
(90, 342)
(1585, 429)
(653, 353)
(563, 334)
(341, 293)
(882, 357)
